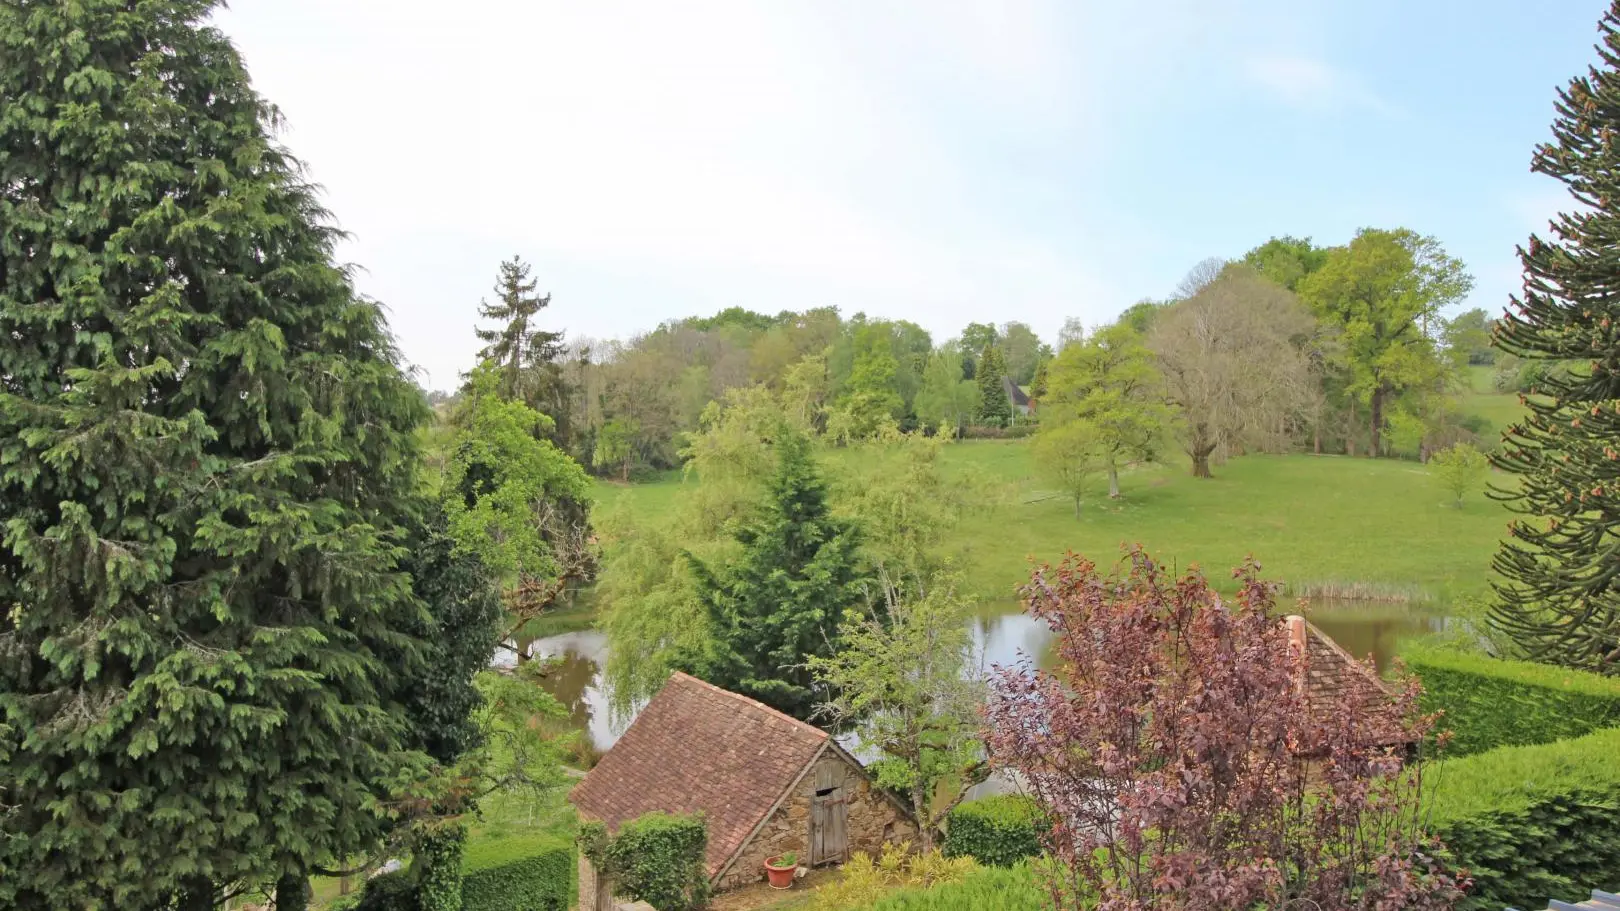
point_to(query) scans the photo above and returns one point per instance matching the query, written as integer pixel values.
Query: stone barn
(766, 783)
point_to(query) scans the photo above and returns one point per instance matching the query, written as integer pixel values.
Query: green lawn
(1327, 525)
(1482, 399)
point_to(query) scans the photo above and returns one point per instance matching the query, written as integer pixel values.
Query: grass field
(1326, 525)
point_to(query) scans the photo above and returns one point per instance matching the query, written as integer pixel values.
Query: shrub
(864, 880)
(656, 858)
(437, 869)
(1489, 702)
(394, 891)
(518, 874)
(1002, 888)
(1532, 823)
(999, 831)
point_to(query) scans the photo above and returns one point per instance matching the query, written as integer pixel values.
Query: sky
(940, 161)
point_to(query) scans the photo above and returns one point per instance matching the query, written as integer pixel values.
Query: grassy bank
(1329, 526)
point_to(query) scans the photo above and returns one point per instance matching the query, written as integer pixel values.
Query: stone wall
(873, 821)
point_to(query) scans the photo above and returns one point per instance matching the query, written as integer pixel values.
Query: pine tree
(994, 408)
(529, 357)
(207, 454)
(781, 600)
(1558, 593)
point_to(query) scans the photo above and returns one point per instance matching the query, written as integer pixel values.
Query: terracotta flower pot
(780, 874)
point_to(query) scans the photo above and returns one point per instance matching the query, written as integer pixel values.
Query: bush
(1532, 823)
(1005, 889)
(394, 891)
(656, 858)
(518, 874)
(1490, 703)
(864, 880)
(999, 831)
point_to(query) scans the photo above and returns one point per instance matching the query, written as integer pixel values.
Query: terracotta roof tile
(1331, 674)
(696, 747)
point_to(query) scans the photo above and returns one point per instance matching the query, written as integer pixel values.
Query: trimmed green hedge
(518, 874)
(1532, 823)
(656, 858)
(999, 831)
(1490, 703)
(1002, 888)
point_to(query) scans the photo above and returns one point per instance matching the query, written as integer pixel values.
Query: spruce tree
(781, 600)
(994, 409)
(529, 357)
(206, 456)
(1559, 598)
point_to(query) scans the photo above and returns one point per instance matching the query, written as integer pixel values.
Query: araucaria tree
(1234, 361)
(528, 356)
(1559, 597)
(780, 601)
(1184, 765)
(207, 465)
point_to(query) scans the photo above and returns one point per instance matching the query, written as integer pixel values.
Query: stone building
(766, 783)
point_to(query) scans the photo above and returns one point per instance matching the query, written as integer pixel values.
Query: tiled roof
(1331, 674)
(696, 747)
(1600, 901)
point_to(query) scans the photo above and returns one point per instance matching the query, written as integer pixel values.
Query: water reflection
(1002, 635)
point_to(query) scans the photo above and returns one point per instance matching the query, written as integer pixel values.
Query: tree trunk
(293, 892)
(1077, 507)
(1316, 438)
(919, 806)
(1113, 481)
(198, 895)
(1376, 448)
(1200, 462)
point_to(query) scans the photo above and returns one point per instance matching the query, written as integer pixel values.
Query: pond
(1002, 635)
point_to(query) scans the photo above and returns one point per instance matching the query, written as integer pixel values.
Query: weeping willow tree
(1558, 595)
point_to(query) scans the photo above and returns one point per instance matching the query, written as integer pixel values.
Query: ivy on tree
(1558, 594)
(780, 601)
(207, 465)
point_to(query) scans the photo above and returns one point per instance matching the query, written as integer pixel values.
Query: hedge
(999, 831)
(518, 874)
(1531, 823)
(1489, 702)
(656, 858)
(1003, 888)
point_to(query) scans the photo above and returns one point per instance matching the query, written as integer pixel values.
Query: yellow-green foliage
(864, 880)
(1000, 888)
(1532, 823)
(1490, 703)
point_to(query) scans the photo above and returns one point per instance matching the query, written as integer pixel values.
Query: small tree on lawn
(1184, 766)
(902, 678)
(1459, 469)
(1071, 457)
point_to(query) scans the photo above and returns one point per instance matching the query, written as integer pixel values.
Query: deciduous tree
(1070, 455)
(1110, 382)
(946, 400)
(1459, 469)
(904, 681)
(1184, 766)
(1233, 357)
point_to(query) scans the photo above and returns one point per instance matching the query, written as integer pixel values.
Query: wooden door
(829, 816)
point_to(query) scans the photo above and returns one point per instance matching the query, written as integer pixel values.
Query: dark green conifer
(1559, 587)
(781, 600)
(207, 459)
(529, 358)
(994, 409)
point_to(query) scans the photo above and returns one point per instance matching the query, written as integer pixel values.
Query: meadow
(1327, 526)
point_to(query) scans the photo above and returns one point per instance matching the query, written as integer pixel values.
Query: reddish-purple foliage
(1186, 767)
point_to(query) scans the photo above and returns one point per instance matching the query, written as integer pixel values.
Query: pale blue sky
(942, 162)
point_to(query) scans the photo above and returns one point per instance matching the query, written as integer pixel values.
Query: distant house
(766, 783)
(1016, 398)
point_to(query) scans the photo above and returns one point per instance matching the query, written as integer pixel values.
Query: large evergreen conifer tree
(781, 601)
(528, 357)
(206, 449)
(1560, 571)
